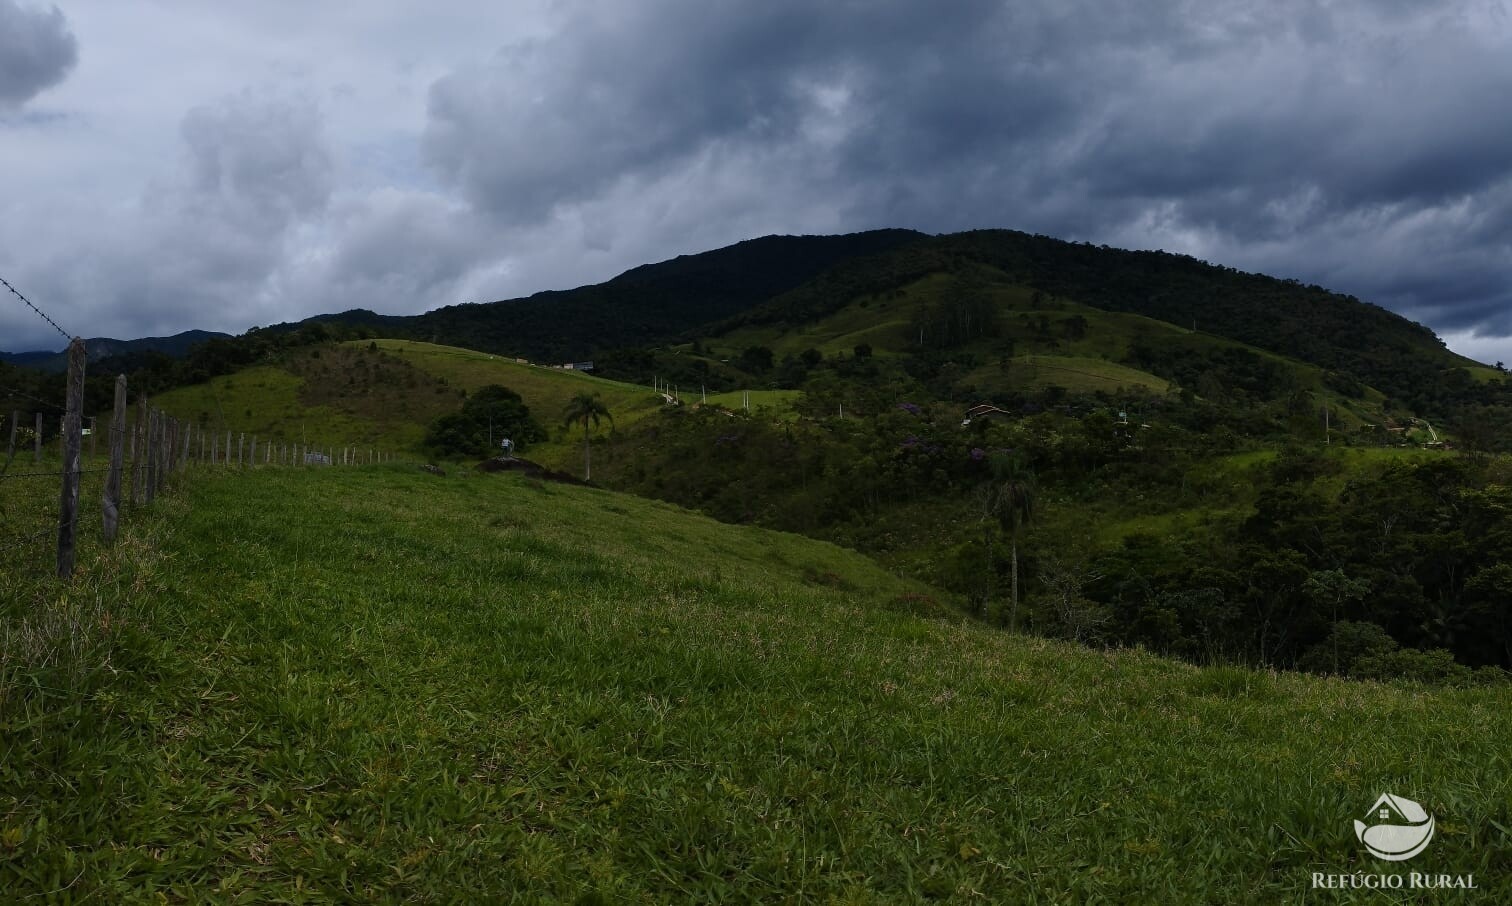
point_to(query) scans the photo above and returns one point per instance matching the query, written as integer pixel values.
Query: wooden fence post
(94, 437)
(73, 427)
(10, 451)
(152, 450)
(228, 448)
(37, 447)
(184, 453)
(139, 453)
(241, 446)
(252, 452)
(110, 504)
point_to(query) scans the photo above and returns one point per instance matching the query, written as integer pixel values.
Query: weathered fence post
(10, 451)
(184, 456)
(110, 504)
(139, 453)
(94, 437)
(228, 448)
(37, 448)
(73, 426)
(153, 450)
(165, 451)
(241, 446)
(252, 452)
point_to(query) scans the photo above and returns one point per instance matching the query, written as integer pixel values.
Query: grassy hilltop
(376, 684)
(383, 393)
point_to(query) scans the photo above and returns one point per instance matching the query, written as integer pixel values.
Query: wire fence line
(51, 474)
(148, 453)
(13, 393)
(42, 314)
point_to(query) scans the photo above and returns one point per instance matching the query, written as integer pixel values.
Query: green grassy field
(375, 684)
(776, 400)
(1075, 373)
(385, 397)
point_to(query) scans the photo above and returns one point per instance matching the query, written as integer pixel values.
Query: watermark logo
(1400, 829)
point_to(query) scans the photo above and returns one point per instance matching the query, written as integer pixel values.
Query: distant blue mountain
(105, 347)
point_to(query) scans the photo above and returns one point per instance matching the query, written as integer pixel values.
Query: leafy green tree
(490, 413)
(755, 359)
(1331, 588)
(1011, 503)
(583, 409)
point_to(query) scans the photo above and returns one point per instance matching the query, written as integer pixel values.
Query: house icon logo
(1400, 830)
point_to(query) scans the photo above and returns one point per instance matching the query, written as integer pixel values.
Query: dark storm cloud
(1359, 142)
(37, 50)
(200, 248)
(472, 152)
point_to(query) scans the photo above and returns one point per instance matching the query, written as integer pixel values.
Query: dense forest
(1351, 559)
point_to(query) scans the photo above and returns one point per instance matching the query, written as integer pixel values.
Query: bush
(1356, 642)
(1436, 666)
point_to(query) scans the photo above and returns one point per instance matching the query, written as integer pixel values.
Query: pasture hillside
(383, 394)
(381, 685)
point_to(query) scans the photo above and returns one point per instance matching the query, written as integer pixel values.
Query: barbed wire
(11, 391)
(29, 540)
(51, 474)
(66, 335)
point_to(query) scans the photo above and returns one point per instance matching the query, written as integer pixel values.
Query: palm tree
(586, 408)
(1013, 504)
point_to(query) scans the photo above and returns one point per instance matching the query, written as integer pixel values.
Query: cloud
(475, 154)
(1335, 143)
(199, 247)
(37, 51)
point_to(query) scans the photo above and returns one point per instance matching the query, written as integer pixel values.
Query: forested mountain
(104, 347)
(651, 303)
(1339, 333)
(788, 281)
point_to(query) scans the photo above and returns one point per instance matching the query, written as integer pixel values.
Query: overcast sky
(172, 164)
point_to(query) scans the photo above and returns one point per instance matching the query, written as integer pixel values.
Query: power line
(40, 312)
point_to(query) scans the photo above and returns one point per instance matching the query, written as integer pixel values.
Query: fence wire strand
(42, 314)
(11, 391)
(51, 474)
